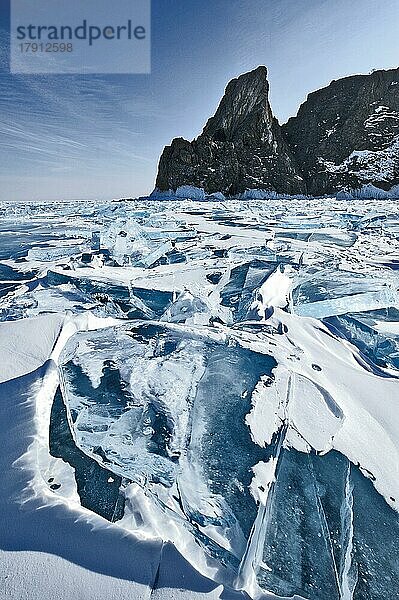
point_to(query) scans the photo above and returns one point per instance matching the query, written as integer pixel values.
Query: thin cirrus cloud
(59, 131)
(53, 126)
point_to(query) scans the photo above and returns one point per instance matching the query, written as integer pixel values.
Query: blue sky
(101, 136)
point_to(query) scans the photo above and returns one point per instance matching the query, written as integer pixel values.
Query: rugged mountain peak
(244, 108)
(241, 146)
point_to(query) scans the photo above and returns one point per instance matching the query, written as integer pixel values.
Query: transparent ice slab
(324, 538)
(99, 489)
(134, 302)
(168, 411)
(380, 350)
(353, 303)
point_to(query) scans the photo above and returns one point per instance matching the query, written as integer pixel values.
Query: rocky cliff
(241, 146)
(347, 134)
(344, 136)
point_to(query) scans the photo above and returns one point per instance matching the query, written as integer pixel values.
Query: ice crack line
(347, 585)
(249, 565)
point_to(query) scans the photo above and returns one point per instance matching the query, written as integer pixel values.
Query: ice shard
(355, 303)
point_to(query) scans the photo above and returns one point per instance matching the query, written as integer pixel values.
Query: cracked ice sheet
(340, 411)
(361, 403)
(40, 536)
(166, 395)
(62, 538)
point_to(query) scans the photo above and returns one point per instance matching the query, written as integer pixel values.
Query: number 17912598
(45, 47)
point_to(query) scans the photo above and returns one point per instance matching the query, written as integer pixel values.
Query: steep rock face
(241, 146)
(347, 134)
(344, 136)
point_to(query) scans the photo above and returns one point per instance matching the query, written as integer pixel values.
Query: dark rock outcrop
(347, 134)
(240, 148)
(344, 136)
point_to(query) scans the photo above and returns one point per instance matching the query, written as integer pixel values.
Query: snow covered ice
(222, 375)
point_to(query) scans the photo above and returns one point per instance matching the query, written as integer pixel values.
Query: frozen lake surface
(221, 376)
